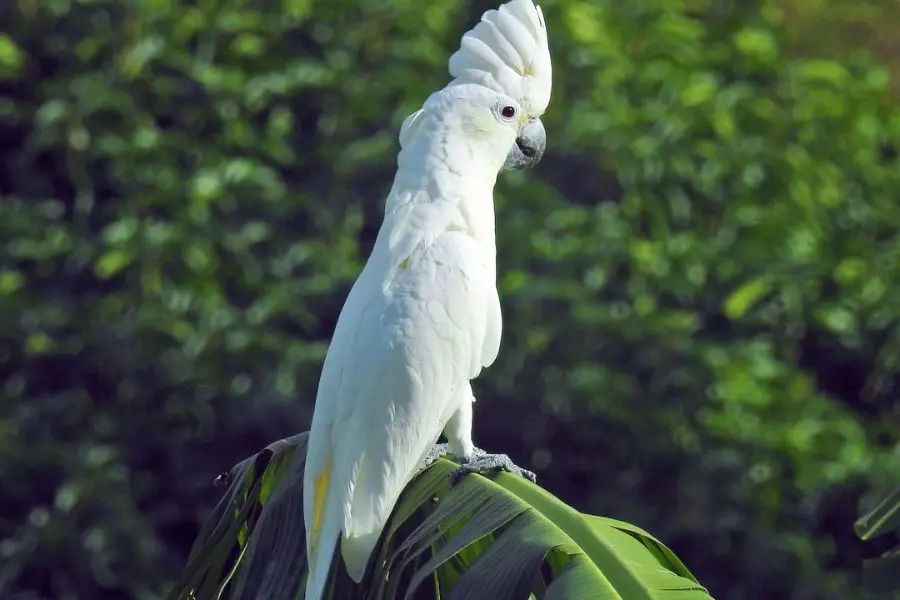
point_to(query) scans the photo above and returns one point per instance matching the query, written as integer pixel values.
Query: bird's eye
(508, 112)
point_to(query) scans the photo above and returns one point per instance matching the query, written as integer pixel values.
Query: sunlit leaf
(486, 538)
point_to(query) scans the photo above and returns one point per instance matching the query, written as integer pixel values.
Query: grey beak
(529, 146)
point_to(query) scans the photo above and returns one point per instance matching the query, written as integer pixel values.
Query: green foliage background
(700, 281)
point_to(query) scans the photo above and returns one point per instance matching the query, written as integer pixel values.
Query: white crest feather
(508, 52)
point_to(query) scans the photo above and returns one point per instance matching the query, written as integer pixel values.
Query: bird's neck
(446, 176)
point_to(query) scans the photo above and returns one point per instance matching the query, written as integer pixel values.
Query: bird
(423, 318)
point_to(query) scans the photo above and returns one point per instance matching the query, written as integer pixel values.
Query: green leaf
(634, 571)
(882, 574)
(757, 43)
(574, 583)
(10, 281)
(497, 538)
(742, 299)
(823, 70)
(276, 551)
(882, 519)
(700, 90)
(11, 56)
(112, 262)
(39, 343)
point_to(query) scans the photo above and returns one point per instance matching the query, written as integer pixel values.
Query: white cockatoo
(423, 318)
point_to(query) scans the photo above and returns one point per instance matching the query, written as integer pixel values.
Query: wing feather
(493, 332)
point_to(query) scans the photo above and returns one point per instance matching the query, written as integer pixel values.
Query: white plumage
(423, 318)
(508, 52)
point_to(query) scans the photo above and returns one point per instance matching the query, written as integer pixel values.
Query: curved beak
(529, 146)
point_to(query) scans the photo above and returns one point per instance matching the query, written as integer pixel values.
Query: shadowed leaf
(492, 538)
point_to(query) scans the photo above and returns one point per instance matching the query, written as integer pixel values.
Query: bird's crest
(508, 52)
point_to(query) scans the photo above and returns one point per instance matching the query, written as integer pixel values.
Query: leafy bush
(700, 282)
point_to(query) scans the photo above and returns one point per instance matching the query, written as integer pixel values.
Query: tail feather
(356, 551)
(319, 560)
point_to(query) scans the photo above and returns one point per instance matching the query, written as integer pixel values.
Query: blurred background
(700, 282)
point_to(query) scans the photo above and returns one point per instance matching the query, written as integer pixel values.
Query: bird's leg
(458, 431)
(459, 437)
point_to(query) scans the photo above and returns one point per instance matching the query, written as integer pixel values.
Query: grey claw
(437, 451)
(482, 462)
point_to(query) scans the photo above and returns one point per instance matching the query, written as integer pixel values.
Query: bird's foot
(481, 462)
(437, 451)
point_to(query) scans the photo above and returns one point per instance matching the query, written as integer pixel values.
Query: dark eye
(508, 112)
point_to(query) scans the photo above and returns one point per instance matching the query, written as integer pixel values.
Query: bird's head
(507, 53)
(500, 88)
(493, 126)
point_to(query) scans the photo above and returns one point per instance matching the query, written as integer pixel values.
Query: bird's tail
(320, 555)
(355, 550)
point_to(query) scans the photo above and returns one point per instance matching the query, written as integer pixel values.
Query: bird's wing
(415, 223)
(403, 348)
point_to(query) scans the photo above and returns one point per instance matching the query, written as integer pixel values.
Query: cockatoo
(423, 318)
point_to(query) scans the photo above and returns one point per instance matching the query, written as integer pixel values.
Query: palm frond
(494, 538)
(882, 574)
